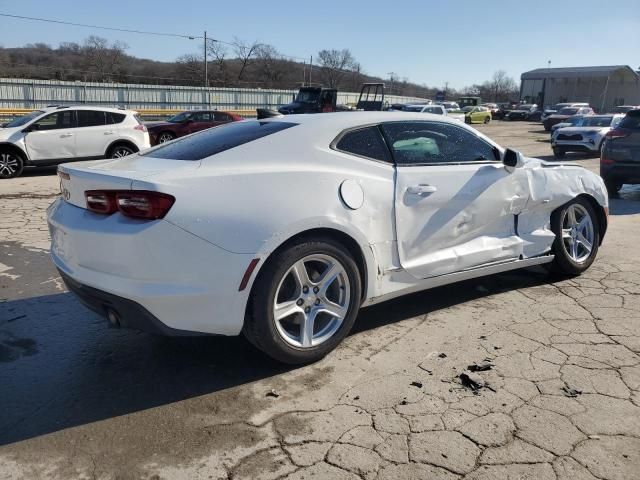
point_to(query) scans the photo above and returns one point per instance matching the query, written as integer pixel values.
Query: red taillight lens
(618, 133)
(132, 203)
(147, 205)
(142, 128)
(101, 201)
(606, 161)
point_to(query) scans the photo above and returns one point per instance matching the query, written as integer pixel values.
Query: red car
(188, 122)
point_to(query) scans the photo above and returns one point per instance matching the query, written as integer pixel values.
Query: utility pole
(206, 76)
(310, 69)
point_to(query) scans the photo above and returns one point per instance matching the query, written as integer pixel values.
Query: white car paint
(417, 227)
(436, 110)
(45, 147)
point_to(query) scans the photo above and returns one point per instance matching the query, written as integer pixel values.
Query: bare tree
(190, 66)
(271, 65)
(501, 86)
(334, 65)
(217, 53)
(103, 58)
(245, 52)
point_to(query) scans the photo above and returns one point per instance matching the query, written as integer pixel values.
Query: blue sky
(457, 41)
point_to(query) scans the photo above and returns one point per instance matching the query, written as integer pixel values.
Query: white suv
(56, 135)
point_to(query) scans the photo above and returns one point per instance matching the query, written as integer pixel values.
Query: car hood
(7, 133)
(583, 129)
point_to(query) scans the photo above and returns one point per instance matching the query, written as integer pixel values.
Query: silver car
(587, 138)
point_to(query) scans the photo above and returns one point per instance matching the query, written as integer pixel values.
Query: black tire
(164, 137)
(11, 163)
(260, 325)
(613, 187)
(487, 120)
(559, 152)
(120, 150)
(563, 263)
(547, 129)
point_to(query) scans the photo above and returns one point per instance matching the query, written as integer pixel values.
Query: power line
(142, 32)
(127, 30)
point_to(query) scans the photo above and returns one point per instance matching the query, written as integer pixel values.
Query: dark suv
(185, 123)
(620, 158)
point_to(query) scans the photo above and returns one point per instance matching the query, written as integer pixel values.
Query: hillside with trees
(234, 64)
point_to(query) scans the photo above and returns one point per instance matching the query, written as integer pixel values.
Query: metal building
(602, 87)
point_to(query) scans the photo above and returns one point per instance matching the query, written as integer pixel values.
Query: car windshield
(413, 108)
(574, 120)
(559, 106)
(598, 121)
(622, 109)
(307, 96)
(467, 109)
(631, 120)
(568, 111)
(181, 117)
(20, 121)
(524, 107)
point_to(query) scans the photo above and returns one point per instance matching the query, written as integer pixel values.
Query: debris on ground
(416, 384)
(474, 382)
(442, 355)
(272, 393)
(570, 391)
(430, 372)
(481, 366)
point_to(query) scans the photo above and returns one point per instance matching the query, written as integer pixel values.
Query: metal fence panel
(26, 93)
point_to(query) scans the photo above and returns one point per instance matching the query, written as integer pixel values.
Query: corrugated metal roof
(572, 72)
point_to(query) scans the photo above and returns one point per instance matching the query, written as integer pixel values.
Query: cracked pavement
(561, 401)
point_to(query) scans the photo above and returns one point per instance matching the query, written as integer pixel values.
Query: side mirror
(512, 159)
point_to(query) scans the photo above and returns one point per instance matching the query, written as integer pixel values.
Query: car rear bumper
(574, 146)
(157, 276)
(622, 173)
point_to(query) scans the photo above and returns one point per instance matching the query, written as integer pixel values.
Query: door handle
(422, 189)
(108, 133)
(66, 135)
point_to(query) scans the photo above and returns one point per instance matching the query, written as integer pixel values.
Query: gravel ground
(560, 401)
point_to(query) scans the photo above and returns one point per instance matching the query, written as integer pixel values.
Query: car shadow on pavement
(61, 365)
(39, 171)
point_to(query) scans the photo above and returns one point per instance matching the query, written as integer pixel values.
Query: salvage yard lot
(560, 401)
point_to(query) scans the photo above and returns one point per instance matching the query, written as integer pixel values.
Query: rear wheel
(575, 247)
(120, 151)
(487, 120)
(11, 164)
(304, 301)
(165, 137)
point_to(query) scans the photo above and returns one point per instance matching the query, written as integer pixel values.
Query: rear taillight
(142, 128)
(101, 202)
(606, 161)
(618, 133)
(132, 203)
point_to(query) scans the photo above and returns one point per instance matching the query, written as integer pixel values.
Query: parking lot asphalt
(560, 400)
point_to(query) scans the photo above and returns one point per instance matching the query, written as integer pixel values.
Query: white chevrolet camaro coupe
(281, 229)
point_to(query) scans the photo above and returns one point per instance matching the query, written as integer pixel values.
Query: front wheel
(165, 137)
(304, 301)
(575, 226)
(487, 120)
(559, 152)
(11, 164)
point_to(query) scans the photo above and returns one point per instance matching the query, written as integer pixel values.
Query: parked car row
(59, 134)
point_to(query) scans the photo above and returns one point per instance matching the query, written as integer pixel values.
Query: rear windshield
(217, 139)
(631, 120)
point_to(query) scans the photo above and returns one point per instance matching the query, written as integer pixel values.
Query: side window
(90, 118)
(55, 121)
(202, 117)
(113, 118)
(364, 142)
(221, 117)
(416, 143)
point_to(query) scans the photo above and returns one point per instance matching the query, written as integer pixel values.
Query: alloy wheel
(121, 152)
(9, 164)
(311, 301)
(577, 233)
(165, 137)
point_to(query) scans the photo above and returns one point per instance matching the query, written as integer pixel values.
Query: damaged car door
(455, 202)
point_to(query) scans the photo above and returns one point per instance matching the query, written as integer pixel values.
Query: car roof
(85, 107)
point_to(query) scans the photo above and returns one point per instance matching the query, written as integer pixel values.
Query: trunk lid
(115, 174)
